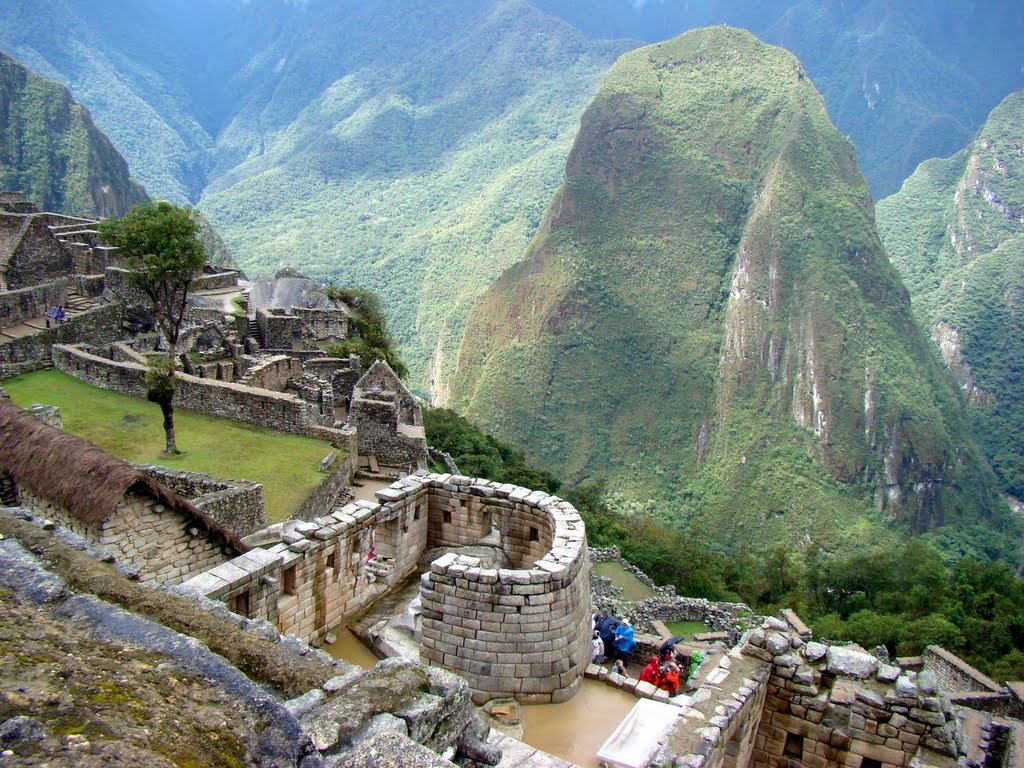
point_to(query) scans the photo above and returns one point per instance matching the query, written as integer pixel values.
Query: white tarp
(636, 739)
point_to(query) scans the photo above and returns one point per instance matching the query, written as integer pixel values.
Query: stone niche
(524, 631)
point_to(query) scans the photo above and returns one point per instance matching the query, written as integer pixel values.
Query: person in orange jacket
(669, 678)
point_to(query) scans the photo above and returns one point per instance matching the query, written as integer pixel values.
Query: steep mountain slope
(707, 318)
(52, 152)
(420, 180)
(121, 64)
(955, 231)
(904, 80)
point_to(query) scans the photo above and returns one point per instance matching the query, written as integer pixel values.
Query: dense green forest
(904, 596)
(708, 320)
(955, 233)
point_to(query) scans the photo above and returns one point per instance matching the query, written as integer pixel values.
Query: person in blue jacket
(624, 641)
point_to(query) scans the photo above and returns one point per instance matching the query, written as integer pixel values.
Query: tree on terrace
(161, 244)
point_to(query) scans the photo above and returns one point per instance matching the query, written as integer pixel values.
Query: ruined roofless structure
(108, 501)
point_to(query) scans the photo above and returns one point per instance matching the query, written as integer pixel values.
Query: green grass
(687, 628)
(632, 588)
(286, 465)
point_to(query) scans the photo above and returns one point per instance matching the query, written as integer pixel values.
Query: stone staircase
(382, 568)
(75, 304)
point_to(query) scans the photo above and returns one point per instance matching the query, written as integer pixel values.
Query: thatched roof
(85, 480)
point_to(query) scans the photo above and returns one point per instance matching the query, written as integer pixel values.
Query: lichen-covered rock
(927, 682)
(905, 688)
(21, 729)
(392, 685)
(390, 750)
(844, 661)
(887, 673)
(776, 643)
(815, 651)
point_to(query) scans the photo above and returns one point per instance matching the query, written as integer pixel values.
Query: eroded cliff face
(708, 319)
(956, 234)
(54, 154)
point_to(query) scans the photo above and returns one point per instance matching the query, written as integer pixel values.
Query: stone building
(30, 254)
(388, 420)
(477, 618)
(106, 500)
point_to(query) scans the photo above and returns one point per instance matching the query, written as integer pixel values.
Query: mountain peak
(707, 317)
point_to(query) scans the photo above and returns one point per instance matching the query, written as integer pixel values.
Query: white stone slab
(635, 741)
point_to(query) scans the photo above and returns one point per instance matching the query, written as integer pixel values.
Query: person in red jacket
(649, 674)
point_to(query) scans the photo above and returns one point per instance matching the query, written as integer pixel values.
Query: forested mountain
(906, 81)
(707, 320)
(411, 147)
(955, 232)
(51, 151)
(406, 147)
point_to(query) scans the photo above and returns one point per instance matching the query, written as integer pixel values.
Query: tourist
(668, 679)
(695, 660)
(61, 315)
(619, 668)
(624, 640)
(606, 629)
(596, 649)
(51, 314)
(650, 673)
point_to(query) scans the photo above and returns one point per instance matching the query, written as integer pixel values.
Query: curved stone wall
(522, 632)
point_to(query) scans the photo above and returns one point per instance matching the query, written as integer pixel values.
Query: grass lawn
(687, 628)
(286, 465)
(632, 588)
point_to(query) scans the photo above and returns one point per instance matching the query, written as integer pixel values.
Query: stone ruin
(475, 620)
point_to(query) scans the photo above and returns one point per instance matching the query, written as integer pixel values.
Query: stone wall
(272, 373)
(955, 674)
(323, 499)
(324, 325)
(237, 505)
(779, 702)
(37, 256)
(261, 407)
(830, 705)
(90, 285)
(95, 260)
(381, 377)
(279, 330)
(161, 544)
(31, 303)
(249, 585)
(98, 325)
(525, 632)
(214, 279)
(381, 434)
(477, 621)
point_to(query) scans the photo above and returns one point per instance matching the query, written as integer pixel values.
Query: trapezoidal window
(534, 534)
(794, 746)
(290, 580)
(447, 516)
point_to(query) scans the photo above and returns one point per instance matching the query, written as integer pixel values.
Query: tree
(161, 244)
(371, 340)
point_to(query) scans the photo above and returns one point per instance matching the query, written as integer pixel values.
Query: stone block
(845, 661)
